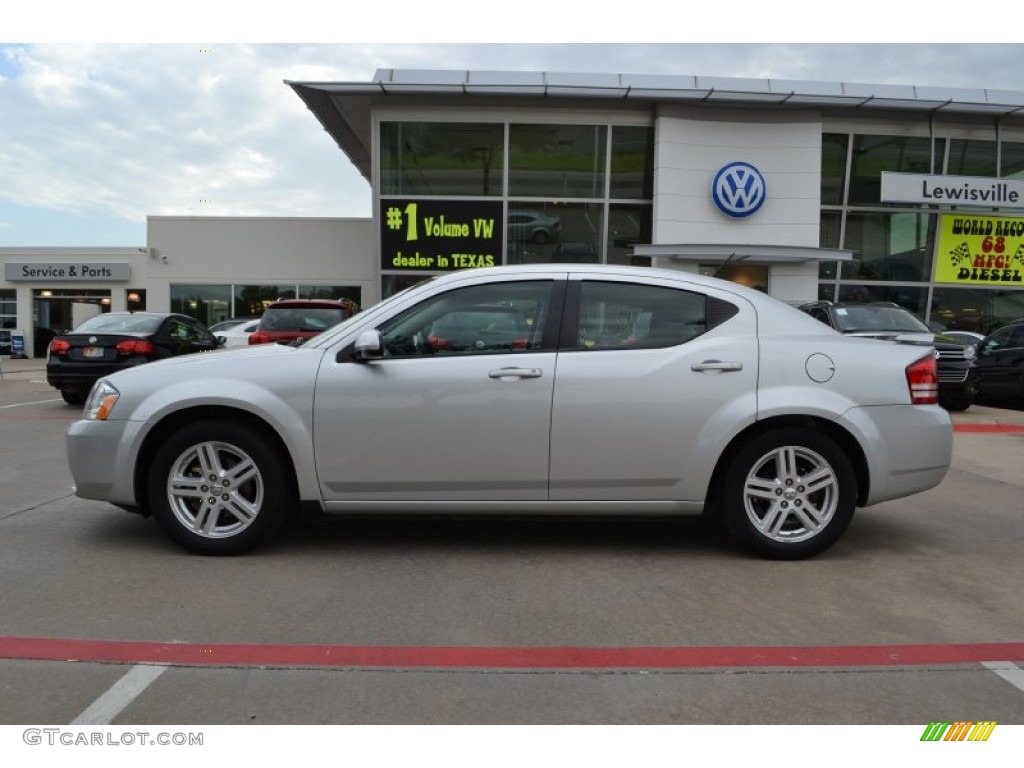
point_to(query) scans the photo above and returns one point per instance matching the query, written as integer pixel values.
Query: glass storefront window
(208, 304)
(557, 161)
(969, 157)
(829, 237)
(442, 158)
(251, 300)
(874, 154)
(890, 246)
(629, 225)
(833, 167)
(541, 233)
(975, 309)
(1012, 160)
(914, 299)
(632, 171)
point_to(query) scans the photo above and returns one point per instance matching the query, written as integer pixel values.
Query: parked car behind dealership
(958, 373)
(684, 395)
(290, 320)
(114, 341)
(1001, 362)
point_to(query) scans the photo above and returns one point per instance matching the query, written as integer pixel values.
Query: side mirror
(369, 346)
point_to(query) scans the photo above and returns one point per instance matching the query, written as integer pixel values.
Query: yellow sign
(980, 250)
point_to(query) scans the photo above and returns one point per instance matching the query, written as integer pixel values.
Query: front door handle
(516, 373)
(715, 366)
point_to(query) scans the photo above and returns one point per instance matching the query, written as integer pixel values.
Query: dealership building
(806, 190)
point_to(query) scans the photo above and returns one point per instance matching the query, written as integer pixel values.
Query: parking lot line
(119, 695)
(454, 657)
(1007, 670)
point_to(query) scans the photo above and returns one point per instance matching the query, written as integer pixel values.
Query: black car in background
(1001, 363)
(110, 342)
(958, 371)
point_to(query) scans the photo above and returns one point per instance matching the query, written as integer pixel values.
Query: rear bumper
(908, 448)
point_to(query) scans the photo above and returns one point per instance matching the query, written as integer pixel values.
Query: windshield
(875, 318)
(116, 322)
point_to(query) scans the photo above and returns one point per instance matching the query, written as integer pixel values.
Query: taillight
(259, 337)
(59, 346)
(923, 381)
(136, 347)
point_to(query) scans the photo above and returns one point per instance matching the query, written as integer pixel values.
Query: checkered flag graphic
(1019, 255)
(959, 253)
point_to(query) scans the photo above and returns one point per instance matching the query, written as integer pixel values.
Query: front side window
(626, 316)
(497, 318)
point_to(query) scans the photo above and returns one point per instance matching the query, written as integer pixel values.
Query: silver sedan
(550, 389)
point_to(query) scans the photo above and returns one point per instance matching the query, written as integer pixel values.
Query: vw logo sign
(739, 189)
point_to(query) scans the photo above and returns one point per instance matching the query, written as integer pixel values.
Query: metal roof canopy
(344, 108)
(748, 254)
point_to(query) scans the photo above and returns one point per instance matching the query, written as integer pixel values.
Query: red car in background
(289, 320)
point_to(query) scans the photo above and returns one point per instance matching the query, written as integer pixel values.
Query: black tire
(74, 398)
(958, 404)
(540, 237)
(209, 513)
(767, 504)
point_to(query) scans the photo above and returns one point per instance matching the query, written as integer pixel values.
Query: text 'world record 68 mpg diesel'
(546, 389)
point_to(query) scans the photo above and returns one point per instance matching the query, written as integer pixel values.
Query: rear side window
(632, 316)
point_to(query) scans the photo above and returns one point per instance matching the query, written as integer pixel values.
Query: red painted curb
(270, 655)
(988, 427)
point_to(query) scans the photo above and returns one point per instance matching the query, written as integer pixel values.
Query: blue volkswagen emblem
(739, 189)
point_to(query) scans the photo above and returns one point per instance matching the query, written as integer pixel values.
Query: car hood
(237, 361)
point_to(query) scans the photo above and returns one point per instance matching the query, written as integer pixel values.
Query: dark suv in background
(958, 372)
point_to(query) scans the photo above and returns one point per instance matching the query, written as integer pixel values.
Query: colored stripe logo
(961, 730)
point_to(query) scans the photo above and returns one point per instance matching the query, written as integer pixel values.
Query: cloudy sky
(95, 136)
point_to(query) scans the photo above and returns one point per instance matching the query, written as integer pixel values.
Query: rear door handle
(516, 373)
(716, 366)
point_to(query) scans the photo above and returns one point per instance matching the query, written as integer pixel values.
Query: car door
(438, 421)
(1001, 361)
(651, 379)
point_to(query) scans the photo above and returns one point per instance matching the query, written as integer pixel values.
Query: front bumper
(101, 458)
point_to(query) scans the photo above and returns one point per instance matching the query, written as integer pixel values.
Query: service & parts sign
(980, 250)
(440, 235)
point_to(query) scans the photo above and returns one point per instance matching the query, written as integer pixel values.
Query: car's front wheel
(788, 494)
(218, 488)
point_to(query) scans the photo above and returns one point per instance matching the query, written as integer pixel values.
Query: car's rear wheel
(218, 488)
(71, 397)
(540, 237)
(788, 494)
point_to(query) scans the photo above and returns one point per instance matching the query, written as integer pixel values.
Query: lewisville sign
(985, 192)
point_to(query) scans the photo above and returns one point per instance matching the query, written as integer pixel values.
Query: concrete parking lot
(915, 616)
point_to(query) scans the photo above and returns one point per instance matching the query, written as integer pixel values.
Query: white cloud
(116, 132)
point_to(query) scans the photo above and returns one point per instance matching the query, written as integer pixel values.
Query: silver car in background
(613, 391)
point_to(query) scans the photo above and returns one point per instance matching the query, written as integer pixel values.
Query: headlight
(101, 400)
(970, 352)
